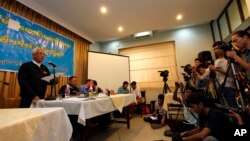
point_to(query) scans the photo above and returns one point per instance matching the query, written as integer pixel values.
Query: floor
(139, 131)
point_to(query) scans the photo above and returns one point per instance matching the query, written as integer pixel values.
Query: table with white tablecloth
(87, 108)
(41, 124)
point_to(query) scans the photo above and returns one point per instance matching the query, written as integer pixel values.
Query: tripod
(231, 67)
(165, 86)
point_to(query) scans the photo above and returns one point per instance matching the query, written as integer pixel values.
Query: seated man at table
(96, 88)
(137, 91)
(123, 89)
(87, 87)
(71, 87)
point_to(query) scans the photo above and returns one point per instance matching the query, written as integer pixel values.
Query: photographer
(203, 76)
(190, 117)
(195, 73)
(241, 40)
(224, 79)
(188, 76)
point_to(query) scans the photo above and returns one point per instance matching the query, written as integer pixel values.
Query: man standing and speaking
(32, 88)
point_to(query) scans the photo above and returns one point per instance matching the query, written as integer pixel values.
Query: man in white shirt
(221, 67)
(137, 91)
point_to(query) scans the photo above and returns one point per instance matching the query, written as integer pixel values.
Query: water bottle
(67, 91)
(90, 91)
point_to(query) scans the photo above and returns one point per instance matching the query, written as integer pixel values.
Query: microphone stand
(53, 87)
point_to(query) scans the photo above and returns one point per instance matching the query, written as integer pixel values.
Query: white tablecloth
(86, 109)
(42, 124)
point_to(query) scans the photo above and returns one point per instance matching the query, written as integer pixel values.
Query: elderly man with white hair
(32, 88)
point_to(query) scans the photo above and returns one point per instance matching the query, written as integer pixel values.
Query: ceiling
(84, 18)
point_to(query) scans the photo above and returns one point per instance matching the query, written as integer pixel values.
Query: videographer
(224, 79)
(195, 73)
(241, 40)
(203, 76)
(188, 76)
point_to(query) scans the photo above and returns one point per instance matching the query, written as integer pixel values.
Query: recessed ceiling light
(103, 10)
(120, 28)
(179, 17)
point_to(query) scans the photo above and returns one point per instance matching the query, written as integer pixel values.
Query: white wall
(95, 47)
(248, 5)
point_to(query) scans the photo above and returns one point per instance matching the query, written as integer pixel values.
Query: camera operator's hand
(243, 63)
(231, 54)
(185, 134)
(218, 69)
(181, 86)
(236, 116)
(211, 68)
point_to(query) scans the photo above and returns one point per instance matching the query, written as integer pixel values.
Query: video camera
(187, 72)
(164, 73)
(226, 46)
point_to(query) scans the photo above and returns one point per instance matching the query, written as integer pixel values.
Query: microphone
(52, 64)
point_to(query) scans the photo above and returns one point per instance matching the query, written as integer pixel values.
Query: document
(153, 118)
(51, 77)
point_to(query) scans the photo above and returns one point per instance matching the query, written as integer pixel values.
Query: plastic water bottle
(67, 91)
(90, 91)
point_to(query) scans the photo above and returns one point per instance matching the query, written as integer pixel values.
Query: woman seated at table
(71, 87)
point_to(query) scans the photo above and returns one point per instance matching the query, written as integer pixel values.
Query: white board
(108, 70)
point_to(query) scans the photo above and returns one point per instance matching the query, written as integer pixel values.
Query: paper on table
(51, 77)
(153, 118)
(76, 99)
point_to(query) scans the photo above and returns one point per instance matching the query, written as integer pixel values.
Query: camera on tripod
(164, 74)
(226, 46)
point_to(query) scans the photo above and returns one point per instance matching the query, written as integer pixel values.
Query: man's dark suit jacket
(31, 85)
